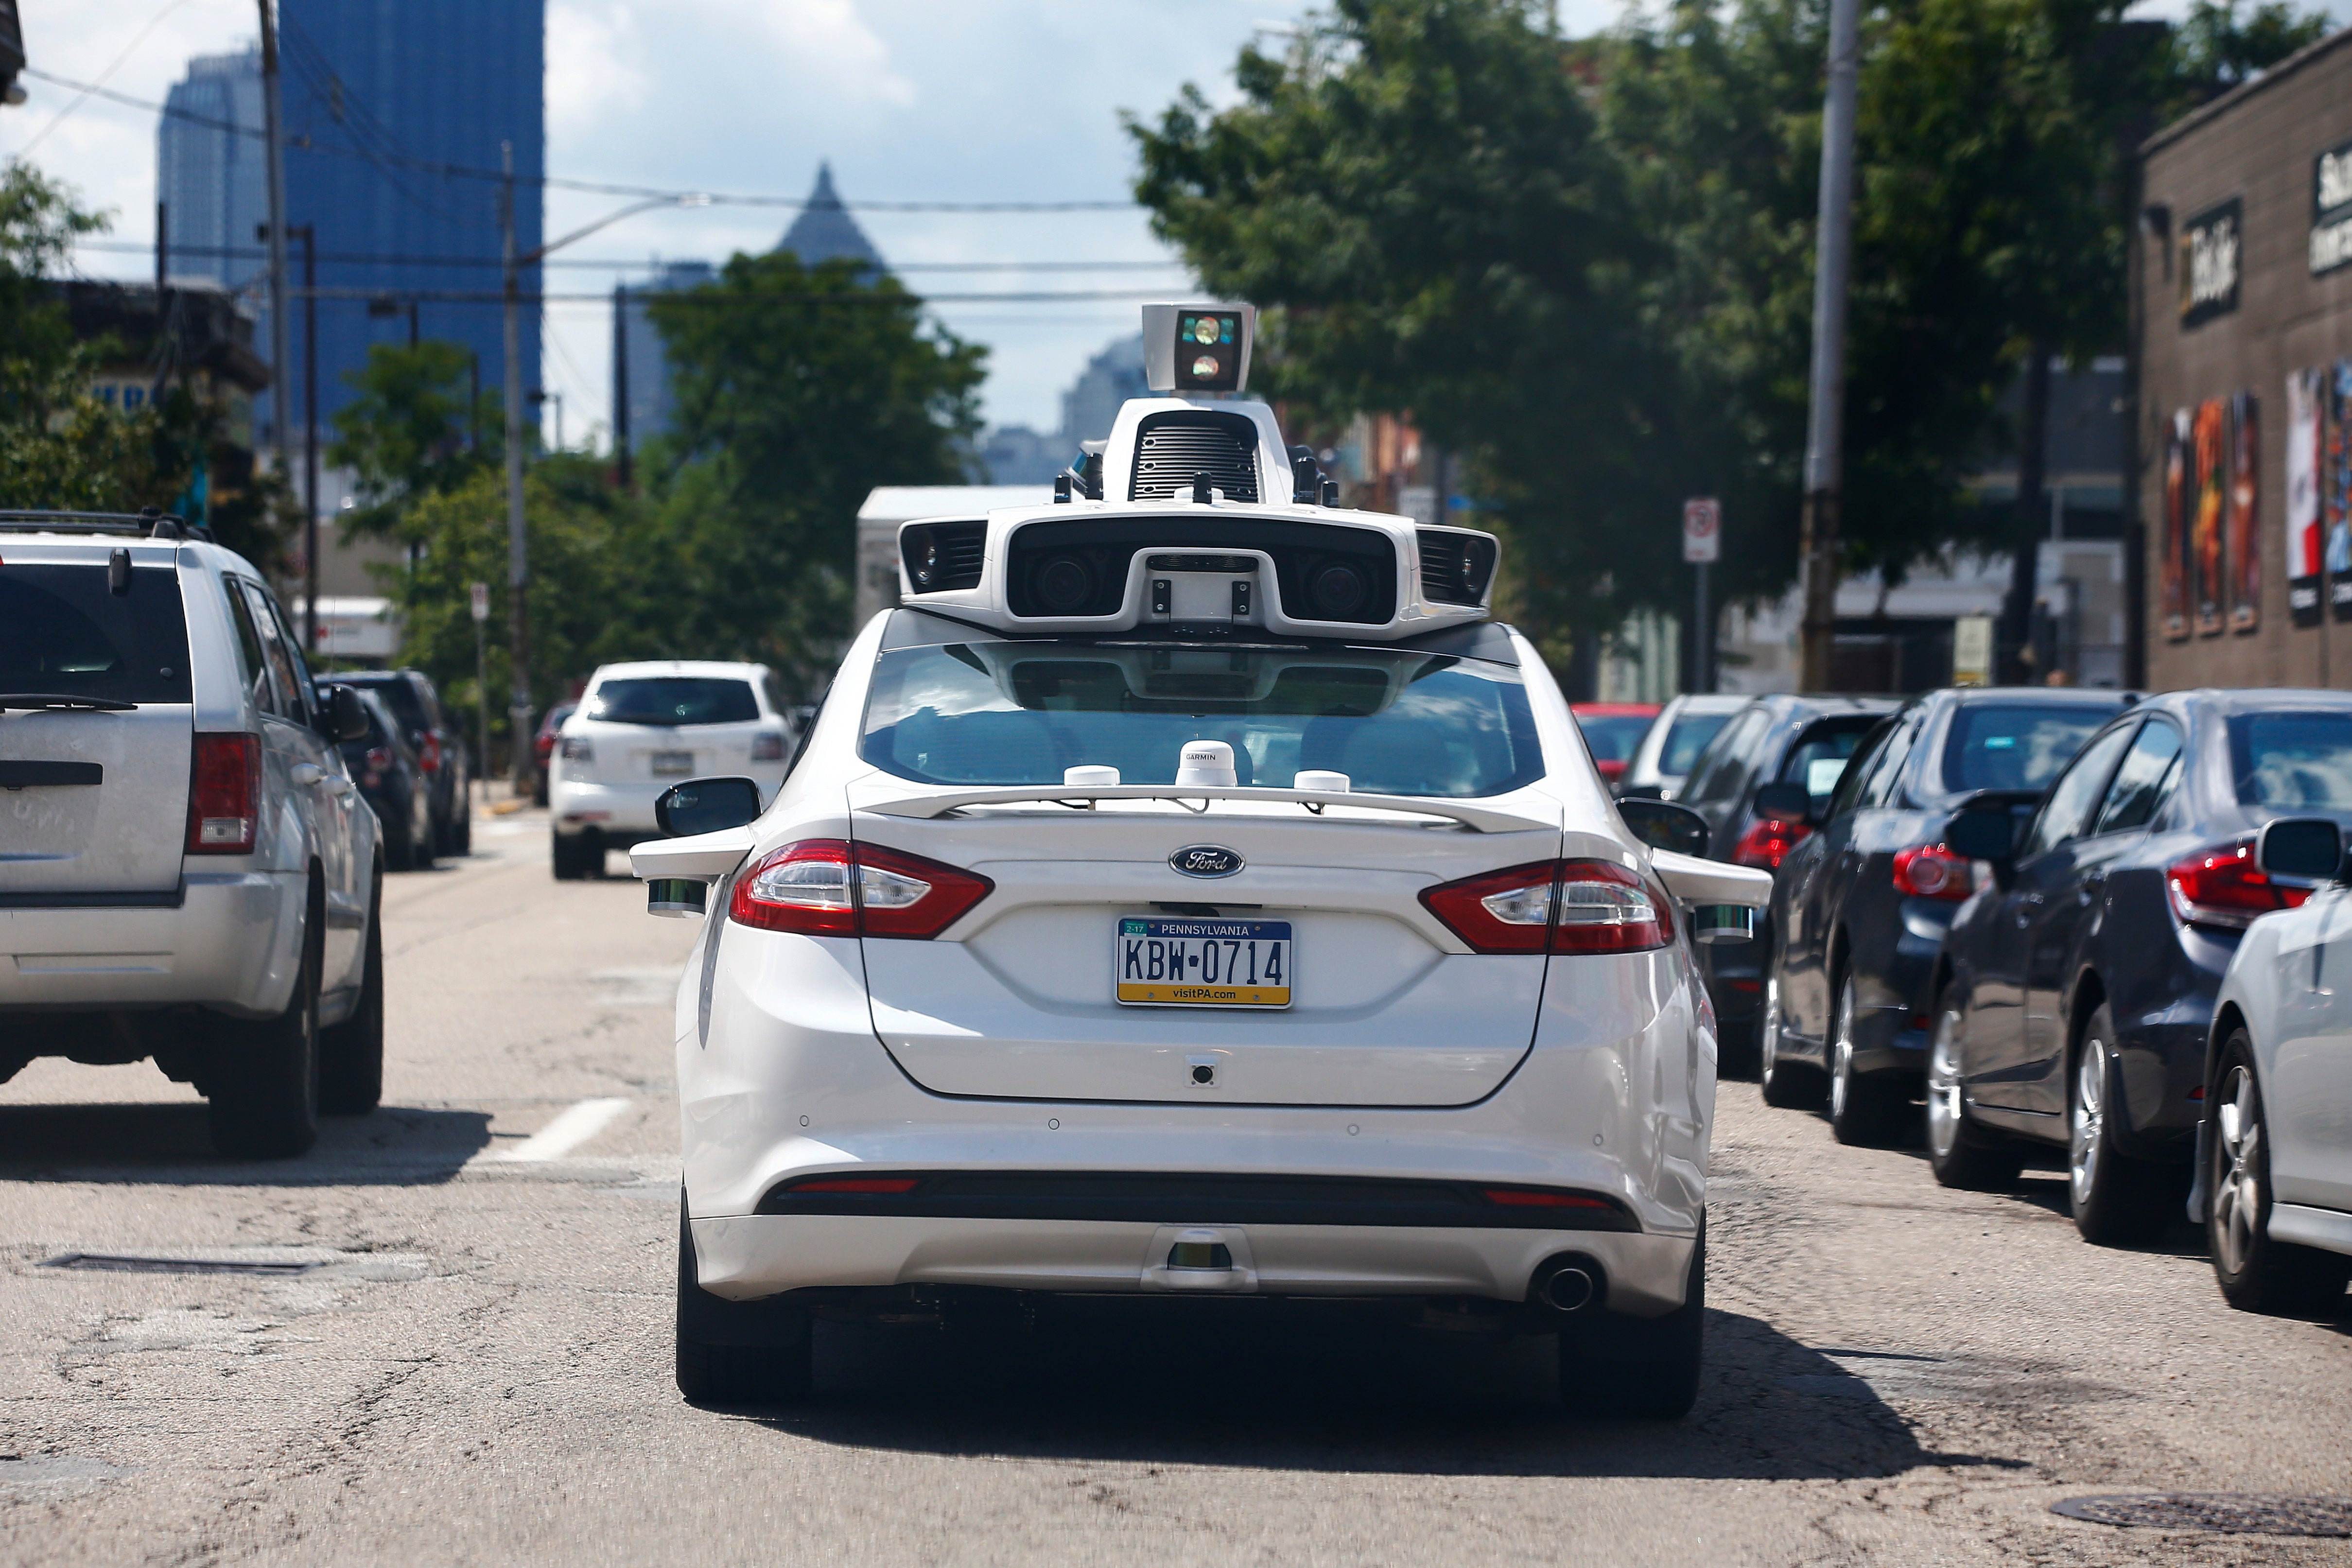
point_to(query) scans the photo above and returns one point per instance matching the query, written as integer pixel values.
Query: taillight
(1563, 906)
(225, 794)
(428, 752)
(2224, 886)
(578, 749)
(828, 886)
(1767, 843)
(1932, 871)
(855, 1184)
(1542, 1198)
(767, 748)
(379, 757)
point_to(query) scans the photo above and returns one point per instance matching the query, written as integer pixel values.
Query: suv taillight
(828, 886)
(2224, 886)
(767, 747)
(1555, 906)
(1767, 843)
(225, 794)
(428, 751)
(1932, 871)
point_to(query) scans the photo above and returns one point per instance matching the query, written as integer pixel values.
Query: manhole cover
(2243, 1512)
(122, 1264)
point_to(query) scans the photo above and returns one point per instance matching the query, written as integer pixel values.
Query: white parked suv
(1192, 894)
(186, 870)
(641, 728)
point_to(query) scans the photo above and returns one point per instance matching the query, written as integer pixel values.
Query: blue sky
(910, 99)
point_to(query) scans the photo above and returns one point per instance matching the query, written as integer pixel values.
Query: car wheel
(1960, 1153)
(1790, 1085)
(1863, 1110)
(462, 838)
(736, 1352)
(351, 1054)
(262, 1083)
(421, 834)
(539, 788)
(2118, 1201)
(571, 865)
(1642, 1367)
(2256, 1273)
(399, 845)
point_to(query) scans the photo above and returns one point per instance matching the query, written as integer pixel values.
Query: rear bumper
(230, 945)
(746, 1258)
(611, 809)
(1895, 989)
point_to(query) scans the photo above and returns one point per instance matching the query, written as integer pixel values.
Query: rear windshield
(1685, 740)
(2292, 759)
(1818, 759)
(2015, 745)
(65, 632)
(1614, 737)
(673, 699)
(398, 695)
(1019, 713)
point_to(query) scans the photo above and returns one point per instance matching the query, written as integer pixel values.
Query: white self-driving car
(641, 728)
(1189, 893)
(2274, 1171)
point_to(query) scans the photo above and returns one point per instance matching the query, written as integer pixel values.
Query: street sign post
(482, 687)
(1702, 547)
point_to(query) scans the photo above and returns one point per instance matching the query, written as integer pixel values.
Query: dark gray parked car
(439, 742)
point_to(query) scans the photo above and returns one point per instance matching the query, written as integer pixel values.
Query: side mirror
(343, 716)
(706, 806)
(1641, 792)
(1983, 835)
(1784, 802)
(2305, 848)
(1662, 824)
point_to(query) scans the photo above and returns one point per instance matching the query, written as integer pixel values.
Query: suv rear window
(1686, 738)
(2293, 759)
(64, 632)
(2015, 745)
(1395, 722)
(1818, 759)
(398, 694)
(673, 699)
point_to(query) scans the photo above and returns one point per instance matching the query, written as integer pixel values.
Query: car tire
(2256, 1273)
(1865, 1112)
(2118, 1201)
(1960, 1153)
(1646, 1368)
(461, 832)
(737, 1352)
(570, 860)
(1787, 1085)
(422, 837)
(261, 1086)
(399, 846)
(351, 1054)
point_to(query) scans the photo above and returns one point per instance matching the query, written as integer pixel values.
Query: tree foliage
(411, 433)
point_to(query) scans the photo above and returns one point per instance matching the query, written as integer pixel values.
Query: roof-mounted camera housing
(1198, 348)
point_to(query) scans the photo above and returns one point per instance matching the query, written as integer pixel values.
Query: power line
(551, 182)
(717, 297)
(255, 253)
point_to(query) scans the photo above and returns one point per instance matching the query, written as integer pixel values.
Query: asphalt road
(478, 1369)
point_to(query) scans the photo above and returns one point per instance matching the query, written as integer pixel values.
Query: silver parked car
(187, 871)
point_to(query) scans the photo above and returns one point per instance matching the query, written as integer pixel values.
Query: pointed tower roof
(824, 230)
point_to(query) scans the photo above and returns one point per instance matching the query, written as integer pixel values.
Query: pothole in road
(2236, 1513)
(1889, 1376)
(126, 1263)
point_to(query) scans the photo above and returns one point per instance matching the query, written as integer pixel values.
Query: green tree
(796, 391)
(411, 433)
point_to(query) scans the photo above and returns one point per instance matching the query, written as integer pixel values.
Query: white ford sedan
(1192, 898)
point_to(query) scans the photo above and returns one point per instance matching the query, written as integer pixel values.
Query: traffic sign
(1702, 531)
(481, 602)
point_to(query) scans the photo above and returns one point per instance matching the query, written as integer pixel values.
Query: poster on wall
(2176, 526)
(2244, 539)
(2304, 535)
(2336, 486)
(2210, 464)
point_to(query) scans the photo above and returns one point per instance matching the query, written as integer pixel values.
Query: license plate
(673, 764)
(1204, 962)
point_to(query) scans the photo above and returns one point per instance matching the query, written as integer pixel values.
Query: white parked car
(2275, 1148)
(641, 728)
(187, 871)
(1193, 893)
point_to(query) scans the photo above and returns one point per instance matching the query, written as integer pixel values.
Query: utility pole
(309, 235)
(621, 386)
(518, 562)
(1825, 429)
(481, 608)
(273, 132)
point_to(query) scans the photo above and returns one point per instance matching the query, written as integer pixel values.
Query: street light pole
(1825, 431)
(308, 234)
(274, 154)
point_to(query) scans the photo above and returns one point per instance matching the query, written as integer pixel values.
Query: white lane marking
(573, 1126)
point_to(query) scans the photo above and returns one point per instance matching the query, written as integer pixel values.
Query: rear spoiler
(1477, 818)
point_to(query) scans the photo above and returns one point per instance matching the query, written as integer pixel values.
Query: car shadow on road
(1184, 1388)
(170, 1145)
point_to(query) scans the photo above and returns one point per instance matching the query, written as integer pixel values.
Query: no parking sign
(1702, 531)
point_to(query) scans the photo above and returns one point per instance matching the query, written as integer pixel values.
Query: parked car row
(2113, 929)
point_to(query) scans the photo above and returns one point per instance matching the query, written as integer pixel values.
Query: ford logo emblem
(1205, 861)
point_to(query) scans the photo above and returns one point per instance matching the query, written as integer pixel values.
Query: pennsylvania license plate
(1204, 962)
(673, 764)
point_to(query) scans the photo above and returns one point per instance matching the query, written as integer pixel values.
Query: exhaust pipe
(1566, 1285)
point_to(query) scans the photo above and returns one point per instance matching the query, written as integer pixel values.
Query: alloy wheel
(2238, 1193)
(1944, 1085)
(1841, 1055)
(1768, 1033)
(2086, 1122)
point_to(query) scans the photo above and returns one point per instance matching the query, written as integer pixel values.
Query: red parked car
(1615, 731)
(543, 746)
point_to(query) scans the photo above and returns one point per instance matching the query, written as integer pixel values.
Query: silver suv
(186, 869)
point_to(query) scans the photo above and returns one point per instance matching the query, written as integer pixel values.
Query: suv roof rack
(148, 522)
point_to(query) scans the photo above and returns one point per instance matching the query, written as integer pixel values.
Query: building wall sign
(2331, 209)
(2210, 251)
